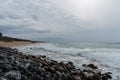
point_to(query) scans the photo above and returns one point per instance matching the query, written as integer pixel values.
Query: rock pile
(15, 65)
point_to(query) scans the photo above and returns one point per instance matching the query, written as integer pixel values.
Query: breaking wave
(106, 58)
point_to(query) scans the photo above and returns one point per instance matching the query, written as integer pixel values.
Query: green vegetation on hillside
(9, 39)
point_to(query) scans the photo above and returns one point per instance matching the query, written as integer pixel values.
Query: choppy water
(104, 55)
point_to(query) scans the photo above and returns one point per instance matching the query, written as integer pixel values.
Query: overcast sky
(61, 20)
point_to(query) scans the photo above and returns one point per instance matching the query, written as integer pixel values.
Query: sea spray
(106, 58)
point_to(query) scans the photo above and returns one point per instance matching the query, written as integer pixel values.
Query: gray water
(105, 55)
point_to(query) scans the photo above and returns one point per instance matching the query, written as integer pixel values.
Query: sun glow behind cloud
(85, 11)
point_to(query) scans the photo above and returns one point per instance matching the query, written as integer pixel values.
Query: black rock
(5, 67)
(14, 65)
(106, 76)
(3, 78)
(92, 66)
(15, 75)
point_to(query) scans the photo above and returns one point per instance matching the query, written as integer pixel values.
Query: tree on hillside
(0, 34)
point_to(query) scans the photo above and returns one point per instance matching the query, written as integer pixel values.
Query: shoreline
(16, 65)
(15, 43)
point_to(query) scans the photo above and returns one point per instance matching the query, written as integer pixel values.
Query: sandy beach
(15, 43)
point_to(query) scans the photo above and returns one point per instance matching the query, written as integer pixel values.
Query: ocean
(105, 55)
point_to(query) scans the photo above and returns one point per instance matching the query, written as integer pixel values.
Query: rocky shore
(15, 65)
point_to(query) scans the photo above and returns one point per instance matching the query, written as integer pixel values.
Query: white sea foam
(106, 58)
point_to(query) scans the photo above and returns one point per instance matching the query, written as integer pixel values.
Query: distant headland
(6, 41)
